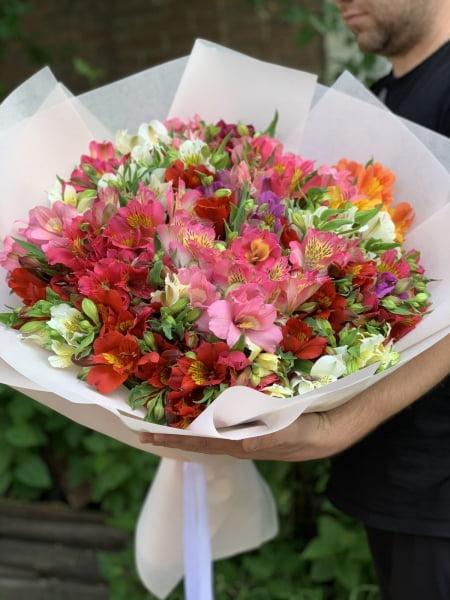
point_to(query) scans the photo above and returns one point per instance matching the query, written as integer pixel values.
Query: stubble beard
(388, 41)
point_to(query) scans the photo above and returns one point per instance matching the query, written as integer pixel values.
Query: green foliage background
(319, 553)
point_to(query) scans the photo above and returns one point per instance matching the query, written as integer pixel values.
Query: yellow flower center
(136, 220)
(197, 372)
(259, 251)
(317, 251)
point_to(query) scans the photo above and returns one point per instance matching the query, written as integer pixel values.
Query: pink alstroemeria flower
(293, 292)
(12, 252)
(256, 247)
(202, 293)
(48, 223)
(318, 249)
(243, 313)
(134, 225)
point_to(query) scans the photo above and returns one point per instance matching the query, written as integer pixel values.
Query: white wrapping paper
(44, 129)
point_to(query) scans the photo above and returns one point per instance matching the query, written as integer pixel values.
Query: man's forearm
(390, 395)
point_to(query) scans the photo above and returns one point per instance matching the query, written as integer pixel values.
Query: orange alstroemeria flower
(375, 181)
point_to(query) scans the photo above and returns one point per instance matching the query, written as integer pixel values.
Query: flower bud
(158, 409)
(421, 298)
(32, 327)
(149, 340)
(176, 307)
(193, 315)
(390, 302)
(90, 310)
(402, 286)
(222, 193)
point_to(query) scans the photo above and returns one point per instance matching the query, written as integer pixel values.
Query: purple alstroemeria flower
(386, 282)
(273, 208)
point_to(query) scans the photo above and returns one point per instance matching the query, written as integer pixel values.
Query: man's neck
(402, 64)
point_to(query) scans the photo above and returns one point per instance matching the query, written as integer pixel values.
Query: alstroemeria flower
(202, 369)
(248, 315)
(257, 247)
(318, 249)
(68, 322)
(298, 338)
(48, 223)
(62, 357)
(374, 181)
(27, 286)
(215, 209)
(115, 358)
(135, 224)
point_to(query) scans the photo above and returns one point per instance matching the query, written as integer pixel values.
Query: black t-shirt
(398, 477)
(423, 94)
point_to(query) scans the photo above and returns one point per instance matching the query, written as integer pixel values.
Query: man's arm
(318, 435)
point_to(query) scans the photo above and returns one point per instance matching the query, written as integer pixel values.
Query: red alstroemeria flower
(114, 274)
(115, 358)
(288, 234)
(180, 412)
(201, 371)
(190, 175)
(400, 324)
(27, 286)
(330, 305)
(215, 209)
(298, 339)
(155, 367)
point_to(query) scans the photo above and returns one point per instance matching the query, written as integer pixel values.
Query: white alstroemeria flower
(85, 200)
(107, 179)
(66, 321)
(143, 153)
(153, 133)
(267, 363)
(195, 152)
(56, 194)
(373, 350)
(301, 385)
(279, 391)
(36, 332)
(124, 142)
(254, 350)
(173, 291)
(329, 366)
(62, 357)
(381, 227)
(158, 185)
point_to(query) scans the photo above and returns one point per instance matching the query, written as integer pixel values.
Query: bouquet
(300, 276)
(191, 257)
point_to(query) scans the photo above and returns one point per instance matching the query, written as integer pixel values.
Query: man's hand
(309, 437)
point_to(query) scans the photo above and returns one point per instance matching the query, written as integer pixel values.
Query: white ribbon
(196, 538)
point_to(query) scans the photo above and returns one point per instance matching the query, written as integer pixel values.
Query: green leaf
(318, 548)
(96, 443)
(21, 409)
(33, 472)
(32, 250)
(25, 435)
(334, 224)
(110, 479)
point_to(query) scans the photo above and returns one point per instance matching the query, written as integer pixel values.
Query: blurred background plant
(319, 553)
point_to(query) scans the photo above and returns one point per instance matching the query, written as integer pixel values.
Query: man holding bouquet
(391, 444)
